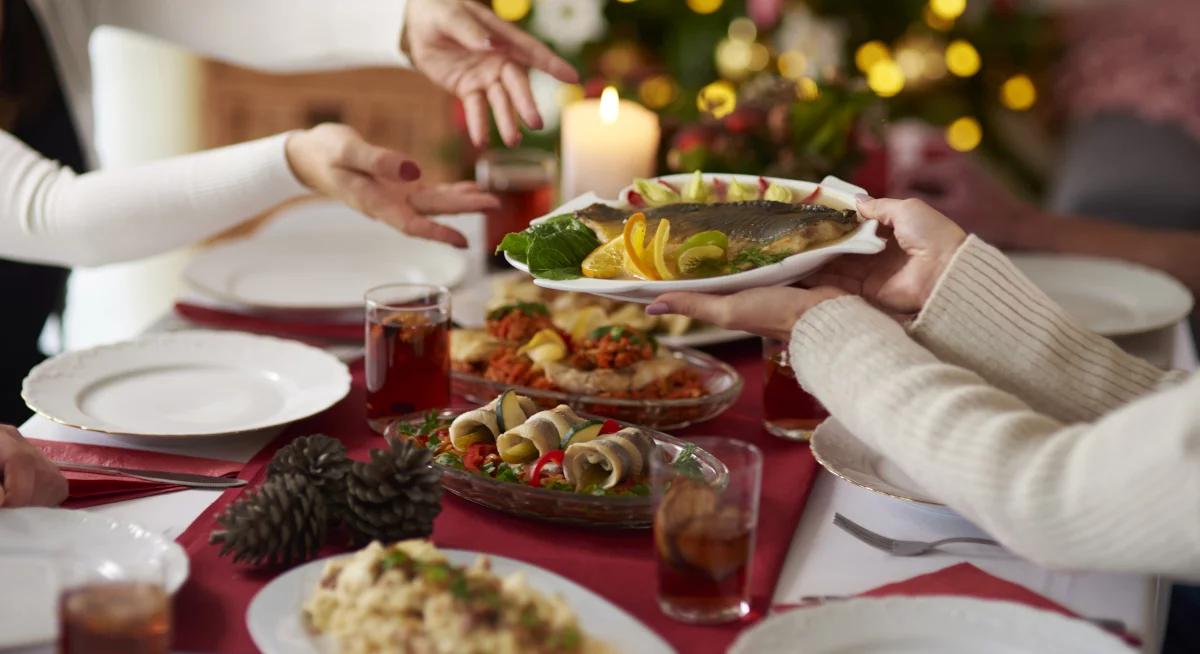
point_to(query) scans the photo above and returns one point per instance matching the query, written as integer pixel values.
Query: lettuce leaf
(553, 249)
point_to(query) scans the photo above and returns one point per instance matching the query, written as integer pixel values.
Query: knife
(177, 478)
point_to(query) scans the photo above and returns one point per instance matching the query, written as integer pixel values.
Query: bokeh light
(657, 92)
(962, 58)
(911, 61)
(760, 56)
(964, 134)
(885, 78)
(869, 54)
(718, 99)
(807, 89)
(511, 10)
(704, 6)
(947, 9)
(743, 29)
(1018, 93)
(936, 22)
(733, 58)
(792, 64)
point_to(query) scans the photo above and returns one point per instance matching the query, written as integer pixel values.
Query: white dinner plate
(847, 456)
(325, 268)
(189, 383)
(834, 191)
(925, 625)
(1108, 296)
(275, 623)
(30, 539)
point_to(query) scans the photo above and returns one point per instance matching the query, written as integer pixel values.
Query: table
(822, 560)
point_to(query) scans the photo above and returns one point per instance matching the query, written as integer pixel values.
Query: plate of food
(604, 368)
(712, 233)
(551, 464)
(411, 596)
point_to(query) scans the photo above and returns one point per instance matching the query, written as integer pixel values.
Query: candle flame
(610, 105)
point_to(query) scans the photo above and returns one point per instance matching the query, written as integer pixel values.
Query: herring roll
(543, 432)
(608, 460)
(482, 425)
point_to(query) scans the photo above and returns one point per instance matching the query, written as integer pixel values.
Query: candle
(606, 143)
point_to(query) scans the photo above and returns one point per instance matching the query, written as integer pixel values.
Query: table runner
(618, 565)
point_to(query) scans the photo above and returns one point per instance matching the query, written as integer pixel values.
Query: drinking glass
(524, 180)
(704, 529)
(788, 410)
(407, 351)
(109, 607)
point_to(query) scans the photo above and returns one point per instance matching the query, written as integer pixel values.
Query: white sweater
(48, 214)
(1066, 449)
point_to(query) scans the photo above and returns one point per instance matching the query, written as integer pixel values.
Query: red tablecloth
(618, 565)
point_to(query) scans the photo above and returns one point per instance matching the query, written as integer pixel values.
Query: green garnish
(641, 490)
(553, 249)
(433, 442)
(449, 459)
(395, 559)
(458, 587)
(428, 424)
(753, 257)
(527, 308)
(504, 472)
(529, 617)
(436, 572)
(687, 464)
(569, 639)
(558, 486)
(615, 332)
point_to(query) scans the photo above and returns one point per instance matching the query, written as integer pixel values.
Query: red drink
(407, 355)
(524, 182)
(518, 206)
(115, 618)
(788, 410)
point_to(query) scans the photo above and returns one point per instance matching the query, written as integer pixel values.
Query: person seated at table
(940, 354)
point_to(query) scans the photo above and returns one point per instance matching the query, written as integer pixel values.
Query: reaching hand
(28, 478)
(465, 48)
(900, 279)
(769, 311)
(381, 183)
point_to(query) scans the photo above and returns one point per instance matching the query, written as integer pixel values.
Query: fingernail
(657, 309)
(862, 197)
(410, 171)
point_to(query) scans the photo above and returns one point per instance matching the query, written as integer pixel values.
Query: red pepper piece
(610, 426)
(763, 185)
(812, 197)
(635, 199)
(476, 453)
(535, 475)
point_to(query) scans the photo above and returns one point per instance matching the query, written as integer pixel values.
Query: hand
(28, 478)
(769, 311)
(958, 186)
(900, 279)
(482, 59)
(381, 183)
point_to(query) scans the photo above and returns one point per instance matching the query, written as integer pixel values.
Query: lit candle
(606, 143)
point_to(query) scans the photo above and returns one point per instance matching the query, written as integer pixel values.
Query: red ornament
(689, 138)
(744, 120)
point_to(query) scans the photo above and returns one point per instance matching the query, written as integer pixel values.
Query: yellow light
(743, 29)
(807, 89)
(947, 9)
(657, 92)
(627, 1)
(964, 134)
(1018, 93)
(733, 58)
(935, 21)
(511, 10)
(718, 99)
(610, 105)
(869, 54)
(911, 61)
(704, 6)
(760, 56)
(962, 58)
(569, 93)
(792, 64)
(885, 78)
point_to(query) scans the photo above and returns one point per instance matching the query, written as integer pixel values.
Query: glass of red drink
(407, 354)
(788, 410)
(524, 180)
(704, 529)
(105, 607)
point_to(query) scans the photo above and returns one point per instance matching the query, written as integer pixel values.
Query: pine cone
(284, 522)
(394, 496)
(322, 460)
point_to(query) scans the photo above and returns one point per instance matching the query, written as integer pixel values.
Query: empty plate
(191, 383)
(848, 457)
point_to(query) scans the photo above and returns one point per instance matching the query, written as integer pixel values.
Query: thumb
(701, 306)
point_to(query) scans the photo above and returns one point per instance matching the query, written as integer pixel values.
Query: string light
(657, 92)
(792, 64)
(936, 22)
(1018, 93)
(733, 58)
(627, 1)
(511, 10)
(964, 134)
(760, 56)
(807, 89)
(885, 78)
(911, 61)
(718, 99)
(962, 58)
(869, 54)
(704, 6)
(948, 9)
(743, 29)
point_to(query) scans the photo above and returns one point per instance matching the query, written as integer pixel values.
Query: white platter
(190, 383)
(847, 456)
(30, 541)
(834, 191)
(274, 615)
(925, 625)
(1108, 296)
(323, 259)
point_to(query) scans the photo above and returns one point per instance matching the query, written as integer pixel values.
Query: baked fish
(483, 425)
(774, 227)
(541, 433)
(608, 460)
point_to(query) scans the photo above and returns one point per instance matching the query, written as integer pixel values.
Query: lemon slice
(658, 250)
(545, 346)
(606, 261)
(587, 319)
(635, 246)
(694, 257)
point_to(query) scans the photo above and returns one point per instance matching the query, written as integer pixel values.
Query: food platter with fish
(703, 232)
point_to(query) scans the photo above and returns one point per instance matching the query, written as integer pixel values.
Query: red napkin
(318, 326)
(617, 564)
(89, 489)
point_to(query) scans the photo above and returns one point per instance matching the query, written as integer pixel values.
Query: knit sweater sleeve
(985, 315)
(1118, 493)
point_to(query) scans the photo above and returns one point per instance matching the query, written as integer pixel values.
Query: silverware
(177, 478)
(900, 547)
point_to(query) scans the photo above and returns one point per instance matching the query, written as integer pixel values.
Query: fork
(900, 547)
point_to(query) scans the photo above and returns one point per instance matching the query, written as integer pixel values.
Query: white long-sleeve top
(1066, 449)
(48, 214)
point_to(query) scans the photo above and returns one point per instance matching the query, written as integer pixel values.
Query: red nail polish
(410, 171)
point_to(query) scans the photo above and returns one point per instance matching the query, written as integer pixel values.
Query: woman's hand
(335, 161)
(900, 279)
(769, 311)
(28, 478)
(464, 47)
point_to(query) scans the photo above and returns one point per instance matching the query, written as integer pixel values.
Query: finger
(886, 210)
(516, 82)
(453, 202)
(422, 227)
(823, 278)
(475, 110)
(18, 479)
(701, 306)
(522, 47)
(506, 120)
(377, 161)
